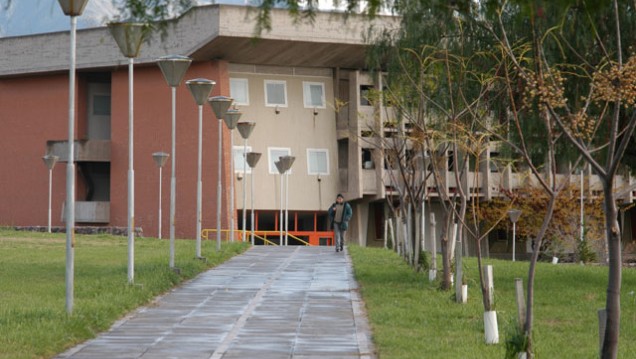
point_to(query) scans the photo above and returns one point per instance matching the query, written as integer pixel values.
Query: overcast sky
(26, 17)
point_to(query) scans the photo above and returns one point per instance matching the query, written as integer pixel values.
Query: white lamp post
(128, 37)
(514, 215)
(200, 89)
(231, 119)
(50, 161)
(281, 169)
(245, 129)
(173, 68)
(72, 8)
(252, 159)
(220, 105)
(582, 232)
(287, 161)
(160, 159)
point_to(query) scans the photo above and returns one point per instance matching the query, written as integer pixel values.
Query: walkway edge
(363, 330)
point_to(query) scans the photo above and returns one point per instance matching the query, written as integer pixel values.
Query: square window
(274, 154)
(317, 161)
(239, 91)
(314, 94)
(275, 93)
(239, 159)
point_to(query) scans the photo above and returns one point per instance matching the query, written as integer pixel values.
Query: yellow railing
(298, 239)
(225, 234)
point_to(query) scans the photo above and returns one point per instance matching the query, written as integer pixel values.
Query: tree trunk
(433, 239)
(446, 251)
(613, 300)
(459, 250)
(531, 275)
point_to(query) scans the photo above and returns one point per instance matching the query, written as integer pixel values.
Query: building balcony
(85, 150)
(90, 212)
(369, 178)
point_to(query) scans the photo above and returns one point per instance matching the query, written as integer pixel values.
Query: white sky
(26, 17)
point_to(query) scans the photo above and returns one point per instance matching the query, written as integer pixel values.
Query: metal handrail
(298, 239)
(205, 235)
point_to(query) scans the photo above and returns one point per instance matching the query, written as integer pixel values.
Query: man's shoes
(337, 250)
(341, 248)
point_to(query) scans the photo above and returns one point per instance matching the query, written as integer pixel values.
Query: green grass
(412, 318)
(33, 318)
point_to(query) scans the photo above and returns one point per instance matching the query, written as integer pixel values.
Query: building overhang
(213, 32)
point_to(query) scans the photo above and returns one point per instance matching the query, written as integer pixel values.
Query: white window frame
(238, 150)
(307, 94)
(275, 82)
(244, 83)
(271, 160)
(319, 150)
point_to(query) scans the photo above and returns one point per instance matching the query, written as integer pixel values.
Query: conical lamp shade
(160, 158)
(128, 36)
(231, 118)
(50, 160)
(73, 7)
(200, 89)
(252, 158)
(287, 162)
(174, 68)
(219, 105)
(245, 129)
(280, 167)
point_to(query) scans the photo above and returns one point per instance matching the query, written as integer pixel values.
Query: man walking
(340, 213)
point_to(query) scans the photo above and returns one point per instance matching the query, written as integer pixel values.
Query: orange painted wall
(35, 109)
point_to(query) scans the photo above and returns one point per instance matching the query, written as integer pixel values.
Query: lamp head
(173, 68)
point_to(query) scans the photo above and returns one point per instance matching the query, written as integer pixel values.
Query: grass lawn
(412, 318)
(33, 318)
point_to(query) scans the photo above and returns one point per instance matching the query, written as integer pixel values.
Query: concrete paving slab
(268, 303)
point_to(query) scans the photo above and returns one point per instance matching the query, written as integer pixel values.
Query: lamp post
(72, 8)
(220, 105)
(252, 159)
(200, 89)
(514, 215)
(582, 232)
(50, 161)
(281, 169)
(231, 119)
(287, 161)
(173, 68)
(128, 36)
(245, 129)
(160, 159)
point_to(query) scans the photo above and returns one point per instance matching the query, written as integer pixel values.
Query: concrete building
(286, 82)
(304, 86)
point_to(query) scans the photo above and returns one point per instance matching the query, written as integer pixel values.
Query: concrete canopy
(213, 32)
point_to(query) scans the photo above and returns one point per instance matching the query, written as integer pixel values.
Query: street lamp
(252, 159)
(220, 105)
(231, 119)
(281, 169)
(128, 36)
(283, 165)
(287, 161)
(514, 215)
(200, 89)
(50, 161)
(72, 8)
(245, 129)
(173, 68)
(160, 159)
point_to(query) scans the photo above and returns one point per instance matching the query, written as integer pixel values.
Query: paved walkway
(268, 303)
